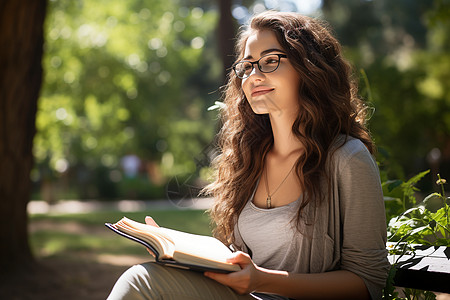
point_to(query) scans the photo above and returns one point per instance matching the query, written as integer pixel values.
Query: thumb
(240, 258)
(150, 221)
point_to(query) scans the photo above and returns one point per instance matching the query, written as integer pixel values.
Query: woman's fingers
(240, 258)
(150, 221)
(242, 281)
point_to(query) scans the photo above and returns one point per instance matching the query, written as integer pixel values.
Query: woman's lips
(261, 91)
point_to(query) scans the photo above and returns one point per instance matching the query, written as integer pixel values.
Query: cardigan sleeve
(363, 220)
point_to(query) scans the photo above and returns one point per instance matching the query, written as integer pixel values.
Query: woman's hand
(150, 221)
(244, 281)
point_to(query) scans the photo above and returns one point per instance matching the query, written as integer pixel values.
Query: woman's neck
(285, 142)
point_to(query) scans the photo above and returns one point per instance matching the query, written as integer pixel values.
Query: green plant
(400, 196)
(424, 223)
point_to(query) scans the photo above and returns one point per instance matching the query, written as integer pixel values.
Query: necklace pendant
(268, 202)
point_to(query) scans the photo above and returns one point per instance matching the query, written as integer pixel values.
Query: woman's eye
(271, 60)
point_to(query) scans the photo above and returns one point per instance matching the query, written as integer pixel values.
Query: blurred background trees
(124, 79)
(131, 81)
(403, 48)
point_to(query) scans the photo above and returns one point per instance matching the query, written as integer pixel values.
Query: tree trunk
(227, 34)
(21, 40)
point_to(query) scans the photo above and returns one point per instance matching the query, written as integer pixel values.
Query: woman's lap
(152, 281)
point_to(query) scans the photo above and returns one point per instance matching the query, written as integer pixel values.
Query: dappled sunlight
(120, 69)
(84, 234)
(75, 248)
(80, 207)
(122, 260)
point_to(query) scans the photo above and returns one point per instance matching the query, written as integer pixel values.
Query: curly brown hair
(329, 106)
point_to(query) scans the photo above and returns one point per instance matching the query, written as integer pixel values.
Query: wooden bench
(426, 268)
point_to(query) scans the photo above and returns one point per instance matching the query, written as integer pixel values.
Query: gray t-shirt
(347, 231)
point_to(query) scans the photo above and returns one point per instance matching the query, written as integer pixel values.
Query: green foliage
(426, 223)
(408, 294)
(120, 77)
(139, 188)
(403, 47)
(400, 195)
(389, 291)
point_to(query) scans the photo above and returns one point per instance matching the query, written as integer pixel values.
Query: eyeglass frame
(280, 56)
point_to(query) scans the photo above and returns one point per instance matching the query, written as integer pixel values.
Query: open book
(176, 248)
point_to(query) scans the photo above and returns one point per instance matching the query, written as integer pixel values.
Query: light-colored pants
(152, 281)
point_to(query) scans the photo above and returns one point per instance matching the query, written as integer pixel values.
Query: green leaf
(443, 242)
(417, 178)
(432, 224)
(392, 184)
(411, 210)
(387, 198)
(217, 106)
(389, 290)
(439, 215)
(432, 197)
(419, 229)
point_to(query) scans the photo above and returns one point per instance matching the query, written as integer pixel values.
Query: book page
(151, 234)
(200, 250)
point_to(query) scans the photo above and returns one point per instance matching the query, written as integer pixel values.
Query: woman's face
(275, 93)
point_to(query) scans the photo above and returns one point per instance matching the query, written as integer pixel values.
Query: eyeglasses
(266, 64)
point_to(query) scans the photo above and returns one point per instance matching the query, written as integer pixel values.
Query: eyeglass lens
(266, 64)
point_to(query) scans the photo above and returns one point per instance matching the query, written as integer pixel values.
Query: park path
(77, 206)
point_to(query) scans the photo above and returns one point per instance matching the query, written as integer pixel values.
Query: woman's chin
(259, 107)
(260, 111)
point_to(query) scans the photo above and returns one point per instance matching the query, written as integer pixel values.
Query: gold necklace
(269, 196)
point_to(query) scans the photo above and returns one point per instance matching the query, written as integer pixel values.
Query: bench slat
(428, 268)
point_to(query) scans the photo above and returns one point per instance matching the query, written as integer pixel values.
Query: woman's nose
(256, 73)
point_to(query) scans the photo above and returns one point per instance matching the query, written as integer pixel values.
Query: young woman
(296, 190)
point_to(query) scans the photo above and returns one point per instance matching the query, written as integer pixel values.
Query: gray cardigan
(346, 232)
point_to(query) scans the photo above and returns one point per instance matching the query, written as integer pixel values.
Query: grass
(73, 235)
(77, 257)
